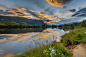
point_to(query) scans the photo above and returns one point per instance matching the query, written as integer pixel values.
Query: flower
(45, 51)
(46, 41)
(53, 51)
(53, 37)
(48, 51)
(85, 32)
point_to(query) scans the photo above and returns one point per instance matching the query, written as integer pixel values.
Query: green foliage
(19, 20)
(46, 50)
(75, 36)
(60, 26)
(73, 26)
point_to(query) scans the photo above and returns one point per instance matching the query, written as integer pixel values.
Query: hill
(19, 20)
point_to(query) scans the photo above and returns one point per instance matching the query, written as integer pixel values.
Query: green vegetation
(9, 26)
(60, 26)
(19, 20)
(52, 50)
(75, 36)
(72, 26)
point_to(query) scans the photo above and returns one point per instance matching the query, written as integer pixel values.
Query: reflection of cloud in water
(42, 36)
(21, 41)
(26, 34)
(4, 36)
(9, 55)
(14, 39)
(1, 51)
(15, 44)
(19, 54)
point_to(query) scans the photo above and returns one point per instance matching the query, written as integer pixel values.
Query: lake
(15, 41)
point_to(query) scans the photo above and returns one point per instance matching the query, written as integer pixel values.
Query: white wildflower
(51, 54)
(50, 48)
(53, 51)
(44, 51)
(85, 32)
(47, 53)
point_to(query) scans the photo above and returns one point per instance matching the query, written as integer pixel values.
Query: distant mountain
(19, 20)
(67, 23)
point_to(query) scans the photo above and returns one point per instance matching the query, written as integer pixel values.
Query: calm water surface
(17, 41)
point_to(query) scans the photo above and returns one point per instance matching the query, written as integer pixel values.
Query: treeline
(9, 26)
(73, 26)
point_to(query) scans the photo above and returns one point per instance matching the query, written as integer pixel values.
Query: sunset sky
(55, 11)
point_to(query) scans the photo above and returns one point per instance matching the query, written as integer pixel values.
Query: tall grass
(52, 50)
(74, 37)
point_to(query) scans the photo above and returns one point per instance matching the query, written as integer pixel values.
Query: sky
(49, 11)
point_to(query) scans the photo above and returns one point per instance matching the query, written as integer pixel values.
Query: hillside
(19, 20)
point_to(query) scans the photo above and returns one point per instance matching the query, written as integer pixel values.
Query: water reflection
(17, 31)
(18, 43)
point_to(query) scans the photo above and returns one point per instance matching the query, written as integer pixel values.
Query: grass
(51, 50)
(74, 37)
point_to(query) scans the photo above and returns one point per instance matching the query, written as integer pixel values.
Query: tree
(60, 26)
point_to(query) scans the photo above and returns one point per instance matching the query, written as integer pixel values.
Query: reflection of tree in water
(17, 31)
(4, 37)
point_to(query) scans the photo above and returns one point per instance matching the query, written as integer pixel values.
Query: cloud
(2, 12)
(52, 21)
(80, 13)
(44, 15)
(7, 4)
(58, 3)
(71, 20)
(26, 16)
(72, 10)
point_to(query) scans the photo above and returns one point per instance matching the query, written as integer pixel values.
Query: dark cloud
(80, 13)
(32, 13)
(37, 3)
(1, 10)
(58, 3)
(49, 11)
(66, 1)
(3, 6)
(4, 12)
(72, 10)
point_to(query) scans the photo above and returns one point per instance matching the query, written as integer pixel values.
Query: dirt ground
(78, 50)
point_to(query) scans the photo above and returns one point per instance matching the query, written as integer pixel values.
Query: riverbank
(72, 44)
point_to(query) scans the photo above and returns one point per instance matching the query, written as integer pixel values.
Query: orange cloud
(54, 17)
(55, 3)
(23, 9)
(26, 16)
(43, 15)
(47, 22)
